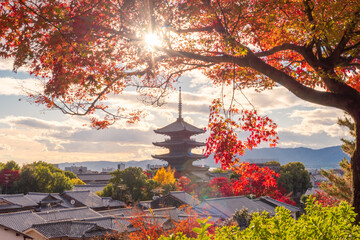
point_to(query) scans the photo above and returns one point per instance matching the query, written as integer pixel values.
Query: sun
(152, 40)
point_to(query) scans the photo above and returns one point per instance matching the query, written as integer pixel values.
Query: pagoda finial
(180, 103)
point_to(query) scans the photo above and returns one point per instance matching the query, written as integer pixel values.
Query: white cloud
(12, 86)
(197, 78)
(317, 121)
(7, 65)
(30, 122)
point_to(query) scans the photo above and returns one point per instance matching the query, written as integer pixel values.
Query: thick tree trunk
(355, 164)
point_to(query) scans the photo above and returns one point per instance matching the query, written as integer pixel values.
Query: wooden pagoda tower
(180, 144)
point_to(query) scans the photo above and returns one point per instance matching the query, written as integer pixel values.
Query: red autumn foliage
(325, 199)
(149, 226)
(184, 184)
(252, 180)
(224, 142)
(7, 177)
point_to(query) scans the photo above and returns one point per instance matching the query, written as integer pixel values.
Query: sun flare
(152, 40)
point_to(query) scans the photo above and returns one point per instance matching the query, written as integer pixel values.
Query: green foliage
(348, 146)
(12, 165)
(338, 186)
(294, 178)
(43, 177)
(108, 191)
(322, 223)
(70, 174)
(150, 186)
(242, 217)
(132, 185)
(2, 166)
(273, 162)
(218, 170)
(60, 183)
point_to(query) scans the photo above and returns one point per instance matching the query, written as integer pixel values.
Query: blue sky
(32, 133)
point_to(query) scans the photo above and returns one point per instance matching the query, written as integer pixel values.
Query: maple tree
(325, 199)
(251, 180)
(87, 50)
(7, 178)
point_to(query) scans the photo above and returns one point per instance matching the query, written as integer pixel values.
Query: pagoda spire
(180, 104)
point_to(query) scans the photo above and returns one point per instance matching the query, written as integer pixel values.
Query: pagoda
(180, 144)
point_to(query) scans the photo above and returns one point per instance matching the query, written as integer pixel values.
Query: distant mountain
(312, 158)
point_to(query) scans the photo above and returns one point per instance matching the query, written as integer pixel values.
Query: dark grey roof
(180, 155)
(170, 213)
(89, 187)
(225, 207)
(19, 199)
(20, 221)
(92, 200)
(18, 233)
(71, 229)
(105, 222)
(69, 213)
(46, 198)
(120, 212)
(275, 203)
(172, 142)
(228, 205)
(178, 126)
(125, 223)
(185, 197)
(104, 177)
(6, 205)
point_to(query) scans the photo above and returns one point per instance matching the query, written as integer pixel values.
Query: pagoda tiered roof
(179, 156)
(179, 126)
(172, 142)
(180, 144)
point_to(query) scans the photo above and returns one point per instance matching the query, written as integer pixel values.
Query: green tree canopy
(129, 184)
(43, 177)
(294, 178)
(12, 165)
(339, 186)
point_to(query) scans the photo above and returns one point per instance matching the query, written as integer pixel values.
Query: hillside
(312, 158)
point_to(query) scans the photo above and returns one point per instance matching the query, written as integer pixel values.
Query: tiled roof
(120, 212)
(124, 223)
(92, 200)
(185, 197)
(170, 212)
(180, 155)
(275, 203)
(225, 207)
(105, 222)
(46, 198)
(19, 199)
(89, 187)
(178, 126)
(228, 205)
(70, 229)
(36, 196)
(94, 177)
(20, 221)
(69, 213)
(18, 233)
